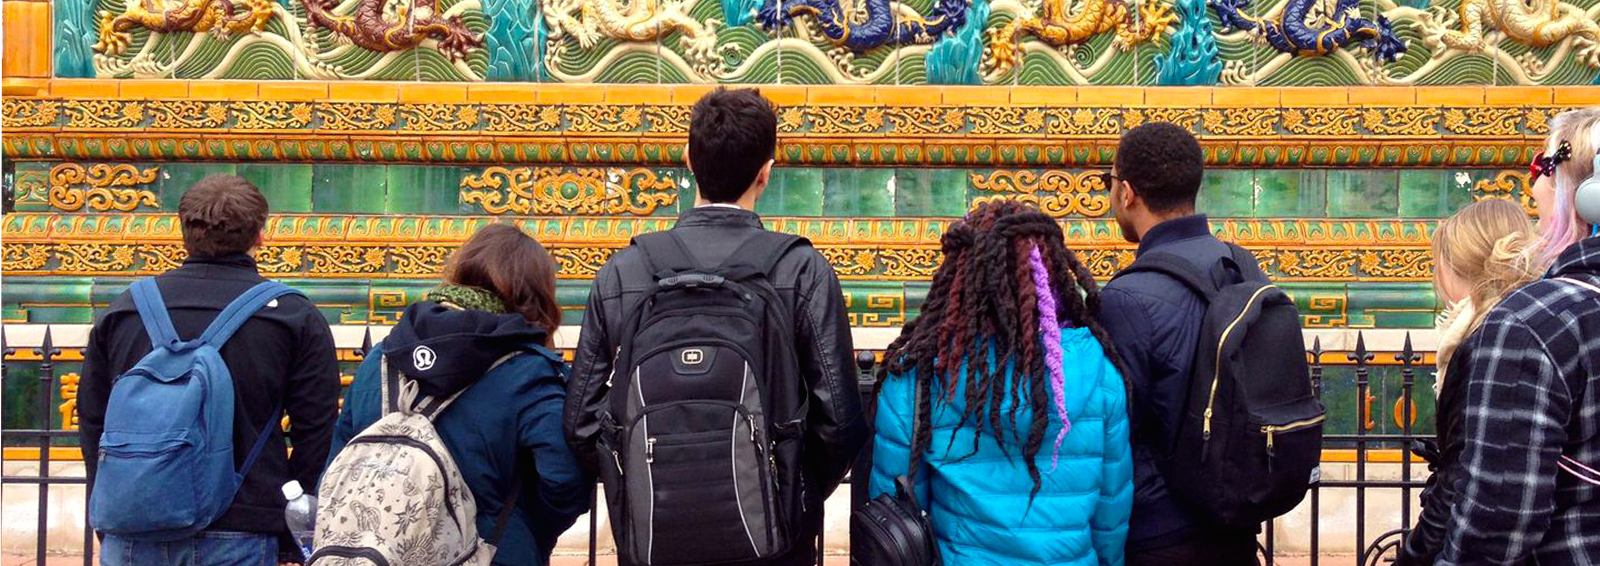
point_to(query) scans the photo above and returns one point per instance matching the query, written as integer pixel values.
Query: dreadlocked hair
(982, 315)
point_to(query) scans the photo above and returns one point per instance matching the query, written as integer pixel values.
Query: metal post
(1407, 358)
(1361, 357)
(1316, 490)
(47, 374)
(594, 524)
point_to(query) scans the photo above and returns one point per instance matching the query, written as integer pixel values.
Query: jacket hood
(446, 349)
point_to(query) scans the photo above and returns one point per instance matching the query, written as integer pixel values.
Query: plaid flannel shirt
(1531, 400)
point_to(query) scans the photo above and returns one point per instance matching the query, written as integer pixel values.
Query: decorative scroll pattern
(101, 187)
(560, 133)
(1057, 193)
(1511, 185)
(559, 190)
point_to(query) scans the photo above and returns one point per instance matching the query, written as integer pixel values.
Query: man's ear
(759, 187)
(1128, 196)
(687, 160)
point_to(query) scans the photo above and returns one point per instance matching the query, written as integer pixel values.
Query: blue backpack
(166, 457)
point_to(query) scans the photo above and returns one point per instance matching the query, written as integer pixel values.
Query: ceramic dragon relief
(635, 22)
(1310, 28)
(1536, 23)
(199, 16)
(872, 24)
(411, 22)
(1065, 22)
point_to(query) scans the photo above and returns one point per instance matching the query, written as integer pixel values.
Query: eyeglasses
(1543, 165)
(1107, 179)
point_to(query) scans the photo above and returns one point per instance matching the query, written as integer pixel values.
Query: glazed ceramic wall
(1034, 42)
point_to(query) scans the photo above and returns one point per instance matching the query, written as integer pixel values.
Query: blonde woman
(1518, 476)
(1479, 254)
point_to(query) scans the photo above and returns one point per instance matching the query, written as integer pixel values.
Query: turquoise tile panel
(793, 191)
(342, 188)
(1363, 194)
(424, 189)
(286, 186)
(176, 178)
(1291, 193)
(1227, 193)
(858, 192)
(1431, 193)
(930, 192)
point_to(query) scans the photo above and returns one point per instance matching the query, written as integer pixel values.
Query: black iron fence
(1350, 382)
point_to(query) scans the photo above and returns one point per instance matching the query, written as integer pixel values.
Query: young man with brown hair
(712, 487)
(281, 356)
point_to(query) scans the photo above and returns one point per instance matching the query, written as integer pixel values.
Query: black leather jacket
(1426, 539)
(835, 429)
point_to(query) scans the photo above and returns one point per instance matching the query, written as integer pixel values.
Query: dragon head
(1383, 43)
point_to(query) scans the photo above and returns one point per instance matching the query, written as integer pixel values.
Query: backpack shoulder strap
(153, 313)
(665, 252)
(1176, 267)
(241, 309)
(760, 253)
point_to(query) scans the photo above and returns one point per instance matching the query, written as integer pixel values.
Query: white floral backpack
(394, 496)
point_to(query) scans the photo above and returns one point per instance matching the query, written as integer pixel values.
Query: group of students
(1029, 411)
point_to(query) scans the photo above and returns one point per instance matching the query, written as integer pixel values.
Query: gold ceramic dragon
(199, 16)
(1536, 23)
(1061, 23)
(635, 21)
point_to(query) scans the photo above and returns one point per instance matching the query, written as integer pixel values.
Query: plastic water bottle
(301, 515)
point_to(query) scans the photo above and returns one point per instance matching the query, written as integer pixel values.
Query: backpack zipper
(1216, 376)
(1290, 427)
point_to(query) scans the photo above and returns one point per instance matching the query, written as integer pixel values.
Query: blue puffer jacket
(980, 509)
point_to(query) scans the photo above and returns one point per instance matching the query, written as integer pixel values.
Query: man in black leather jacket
(732, 140)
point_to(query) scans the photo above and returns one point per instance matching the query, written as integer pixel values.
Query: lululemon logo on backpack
(423, 358)
(693, 357)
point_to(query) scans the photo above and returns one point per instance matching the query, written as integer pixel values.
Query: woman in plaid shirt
(1517, 482)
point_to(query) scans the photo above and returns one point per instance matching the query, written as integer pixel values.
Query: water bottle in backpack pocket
(165, 467)
(704, 415)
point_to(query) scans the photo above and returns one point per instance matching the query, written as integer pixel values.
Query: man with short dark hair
(1155, 322)
(732, 140)
(283, 356)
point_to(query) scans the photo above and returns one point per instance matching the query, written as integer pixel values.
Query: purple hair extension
(1051, 335)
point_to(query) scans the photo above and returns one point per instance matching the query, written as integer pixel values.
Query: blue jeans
(209, 548)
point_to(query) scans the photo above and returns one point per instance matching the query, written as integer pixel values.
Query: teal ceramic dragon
(881, 26)
(1298, 33)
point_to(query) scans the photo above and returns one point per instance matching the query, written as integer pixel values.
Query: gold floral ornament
(1057, 193)
(558, 190)
(1511, 185)
(101, 187)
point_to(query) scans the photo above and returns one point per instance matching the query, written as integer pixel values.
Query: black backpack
(705, 411)
(1247, 445)
(892, 529)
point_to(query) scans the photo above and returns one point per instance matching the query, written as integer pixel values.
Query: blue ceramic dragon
(1294, 32)
(882, 25)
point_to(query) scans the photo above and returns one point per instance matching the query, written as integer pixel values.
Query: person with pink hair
(1521, 466)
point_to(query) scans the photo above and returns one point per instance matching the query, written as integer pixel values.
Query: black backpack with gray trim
(705, 411)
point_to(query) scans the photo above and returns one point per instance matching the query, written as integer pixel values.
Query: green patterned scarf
(471, 298)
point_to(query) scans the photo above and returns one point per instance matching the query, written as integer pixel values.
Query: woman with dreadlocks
(1003, 404)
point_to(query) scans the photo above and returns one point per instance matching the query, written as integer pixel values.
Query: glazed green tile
(793, 191)
(930, 192)
(1363, 194)
(858, 192)
(286, 186)
(687, 189)
(1292, 193)
(1227, 193)
(176, 178)
(340, 188)
(421, 189)
(1464, 182)
(1431, 193)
